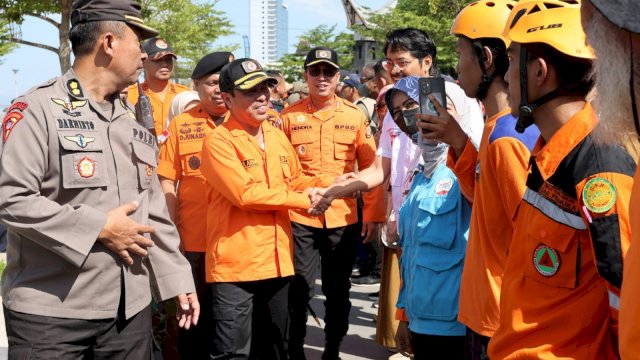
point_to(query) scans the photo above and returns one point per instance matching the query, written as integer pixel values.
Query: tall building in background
(269, 30)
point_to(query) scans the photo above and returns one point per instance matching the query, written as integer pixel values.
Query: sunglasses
(326, 72)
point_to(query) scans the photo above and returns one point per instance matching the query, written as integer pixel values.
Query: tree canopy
(343, 43)
(189, 26)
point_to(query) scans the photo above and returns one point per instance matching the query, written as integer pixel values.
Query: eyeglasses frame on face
(322, 71)
(385, 64)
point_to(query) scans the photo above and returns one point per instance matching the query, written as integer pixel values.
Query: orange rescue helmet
(552, 22)
(483, 19)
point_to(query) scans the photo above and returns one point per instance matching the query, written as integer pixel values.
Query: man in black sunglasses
(330, 136)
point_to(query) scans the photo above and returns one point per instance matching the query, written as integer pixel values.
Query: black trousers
(333, 251)
(46, 337)
(476, 346)
(250, 319)
(427, 347)
(192, 342)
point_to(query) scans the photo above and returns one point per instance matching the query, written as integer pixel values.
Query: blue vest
(433, 227)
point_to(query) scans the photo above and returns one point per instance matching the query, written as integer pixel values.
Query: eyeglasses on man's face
(399, 64)
(327, 72)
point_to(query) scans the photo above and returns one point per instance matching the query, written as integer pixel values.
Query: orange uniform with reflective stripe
(328, 144)
(160, 108)
(250, 192)
(494, 179)
(570, 236)
(180, 161)
(629, 299)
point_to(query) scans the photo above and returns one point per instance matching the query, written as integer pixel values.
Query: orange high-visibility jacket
(249, 193)
(180, 161)
(565, 260)
(328, 144)
(160, 108)
(495, 176)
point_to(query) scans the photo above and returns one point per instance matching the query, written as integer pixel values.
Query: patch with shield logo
(86, 167)
(194, 162)
(250, 66)
(546, 260)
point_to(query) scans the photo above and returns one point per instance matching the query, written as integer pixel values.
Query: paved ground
(359, 343)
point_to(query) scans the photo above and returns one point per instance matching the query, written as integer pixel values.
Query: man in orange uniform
(180, 163)
(252, 175)
(571, 231)
(613, 31)
(157, 84)
(493, 177)
(329, 135)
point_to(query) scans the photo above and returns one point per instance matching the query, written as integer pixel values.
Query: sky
(36, 66)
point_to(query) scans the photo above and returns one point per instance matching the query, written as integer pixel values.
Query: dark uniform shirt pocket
(345, 145)
(147, 163)
(82, 160)
(552, 252)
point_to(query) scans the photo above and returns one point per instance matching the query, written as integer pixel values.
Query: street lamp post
(15, 81)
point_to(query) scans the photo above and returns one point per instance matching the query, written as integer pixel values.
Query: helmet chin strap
(525, 119)
(485, 80)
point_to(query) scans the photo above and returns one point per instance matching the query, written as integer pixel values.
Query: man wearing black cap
(613, 30)
(157, 84)
(89, 233)
(252, 175)
(330, 135)
(179, 163)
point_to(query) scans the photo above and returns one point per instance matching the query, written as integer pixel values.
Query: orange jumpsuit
(180, 161)
(328, 143)
(494, 180)
(250, 192)
(160, 108)
(565, 261)
(629, 304)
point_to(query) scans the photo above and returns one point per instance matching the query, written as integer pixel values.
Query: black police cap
(243, 74)
(84, 11)
(321, 54)
(157, 48)
(622, 13)
(211, 64)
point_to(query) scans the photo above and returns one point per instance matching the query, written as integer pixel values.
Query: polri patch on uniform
(86, 167)
(546, 260)
(9, 123)
(18, 105)
(599, 195)
(194, 162)
(81, 140)
(443, 186)
(74, 88)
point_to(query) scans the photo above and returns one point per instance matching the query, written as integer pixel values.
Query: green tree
(324, 35)
(191, 28)
(5, 45)
(433, 16)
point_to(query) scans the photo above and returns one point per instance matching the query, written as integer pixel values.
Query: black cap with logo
(211, 64)
(321, 54)
(128, 11)
(243, 74)
(157, 48)
(622, 13)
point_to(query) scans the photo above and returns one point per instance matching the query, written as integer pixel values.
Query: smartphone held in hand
(431, 86)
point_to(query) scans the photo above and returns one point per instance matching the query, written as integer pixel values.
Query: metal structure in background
(365, 49)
